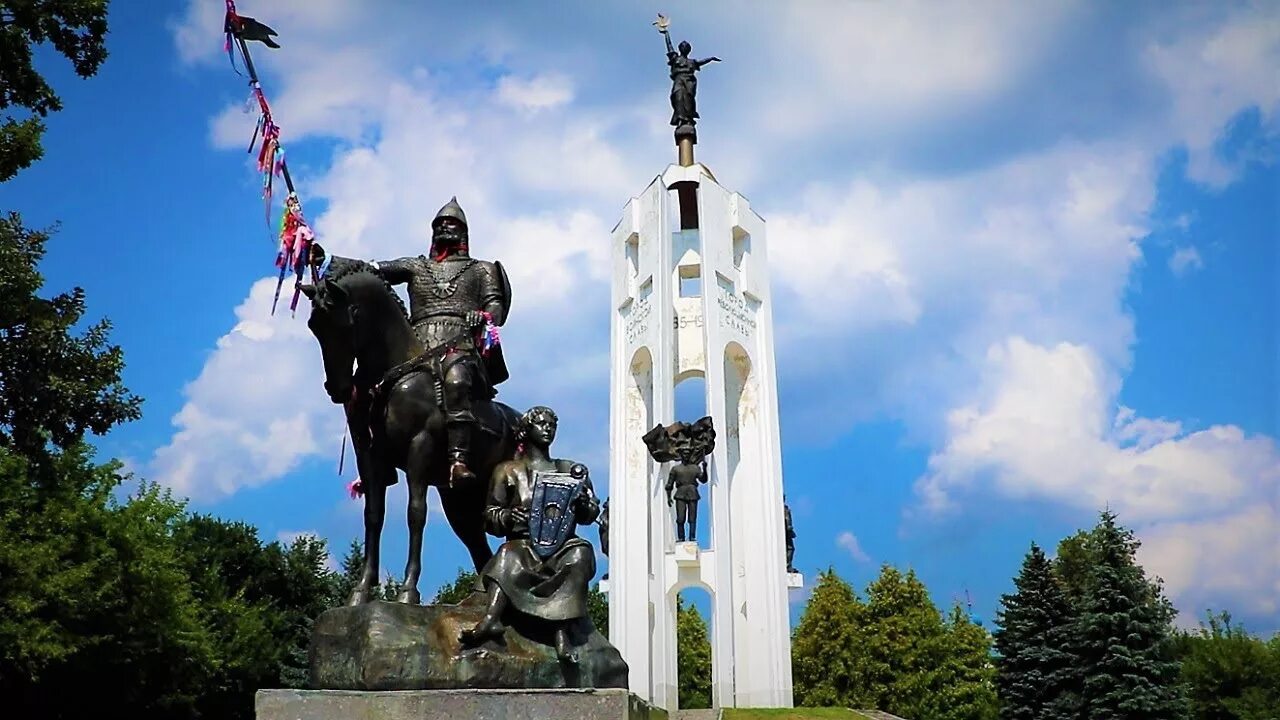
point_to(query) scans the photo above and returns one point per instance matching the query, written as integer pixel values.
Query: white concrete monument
(691, 299)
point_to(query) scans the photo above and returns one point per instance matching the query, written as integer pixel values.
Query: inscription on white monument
(637, 319)
(680, 322)
(734, 312)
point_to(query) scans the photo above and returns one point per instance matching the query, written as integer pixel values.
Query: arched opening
(695, 686)
(690, 404)
(629, 509)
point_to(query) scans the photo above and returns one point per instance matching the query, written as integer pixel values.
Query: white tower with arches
(691, 299)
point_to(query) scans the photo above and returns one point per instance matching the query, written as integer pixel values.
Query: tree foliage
(55, 384)
(693, 657)
(452, 593)
(598, 609)
(894, 651)
(1032, 627)
(964, 682)
(75, 28)
(1229, 673)
(828, 655)
(1121, 636)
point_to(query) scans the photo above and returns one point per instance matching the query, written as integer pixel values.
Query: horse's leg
(375, 506)
(374, 479)
(464, 509)
(416, 475)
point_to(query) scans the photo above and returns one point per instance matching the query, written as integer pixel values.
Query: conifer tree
(1122, 636)
(828, 655)
(1033, 667)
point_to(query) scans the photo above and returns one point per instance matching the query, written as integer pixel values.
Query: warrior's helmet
(451, 210)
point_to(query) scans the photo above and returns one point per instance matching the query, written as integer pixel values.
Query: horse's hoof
(358, 597)
(410, 596)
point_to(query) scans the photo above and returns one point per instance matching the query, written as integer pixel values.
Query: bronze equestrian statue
(398, 397)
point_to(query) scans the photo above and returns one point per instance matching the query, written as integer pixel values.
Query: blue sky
(1036, 249)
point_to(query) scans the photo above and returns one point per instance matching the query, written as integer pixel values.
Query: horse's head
(335, 323)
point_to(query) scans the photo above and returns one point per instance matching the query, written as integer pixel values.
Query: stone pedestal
(453, 705)
(394, 646)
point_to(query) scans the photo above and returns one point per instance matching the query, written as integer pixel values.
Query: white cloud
(1227, 562)
(254, 413)
(1215, 69)
(875, 65)
(1184, 260)
(1042, 429)
(848, 542)
(540, 92)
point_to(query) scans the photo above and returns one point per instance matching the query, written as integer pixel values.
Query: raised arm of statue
(671, 51)
(699, 63)
(396, 271)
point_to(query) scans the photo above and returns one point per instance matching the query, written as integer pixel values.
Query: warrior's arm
(395, 271)
(670, 50)
(492, 297)
(497, 513)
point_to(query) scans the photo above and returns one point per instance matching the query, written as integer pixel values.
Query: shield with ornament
(551, 517)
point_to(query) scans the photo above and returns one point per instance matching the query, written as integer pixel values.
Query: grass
(791, 714)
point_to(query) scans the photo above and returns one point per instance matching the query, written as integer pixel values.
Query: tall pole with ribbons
(297, 241)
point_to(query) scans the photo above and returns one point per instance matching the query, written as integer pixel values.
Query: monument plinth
(453, 705)
(395, 646)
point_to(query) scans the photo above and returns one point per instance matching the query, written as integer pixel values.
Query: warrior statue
(684, 479)
(684, 80)
(543, 569)
(690, 443)
(791, 537)
(452, 297)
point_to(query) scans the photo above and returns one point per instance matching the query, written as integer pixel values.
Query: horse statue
(395, 418)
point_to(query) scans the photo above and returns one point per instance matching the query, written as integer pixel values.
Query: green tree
(54, 385)
(259, 600)
(350, 571)
(1031, 634)
(1122, 635)
(828, 654)
(452, 593)
(390, 588)
(95, 605)
(598, 609)
(77, 29)
(905, 639)
(1229, 673)
(693, 657)
(965, 679)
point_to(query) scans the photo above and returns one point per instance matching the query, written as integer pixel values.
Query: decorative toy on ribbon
(295, 249)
